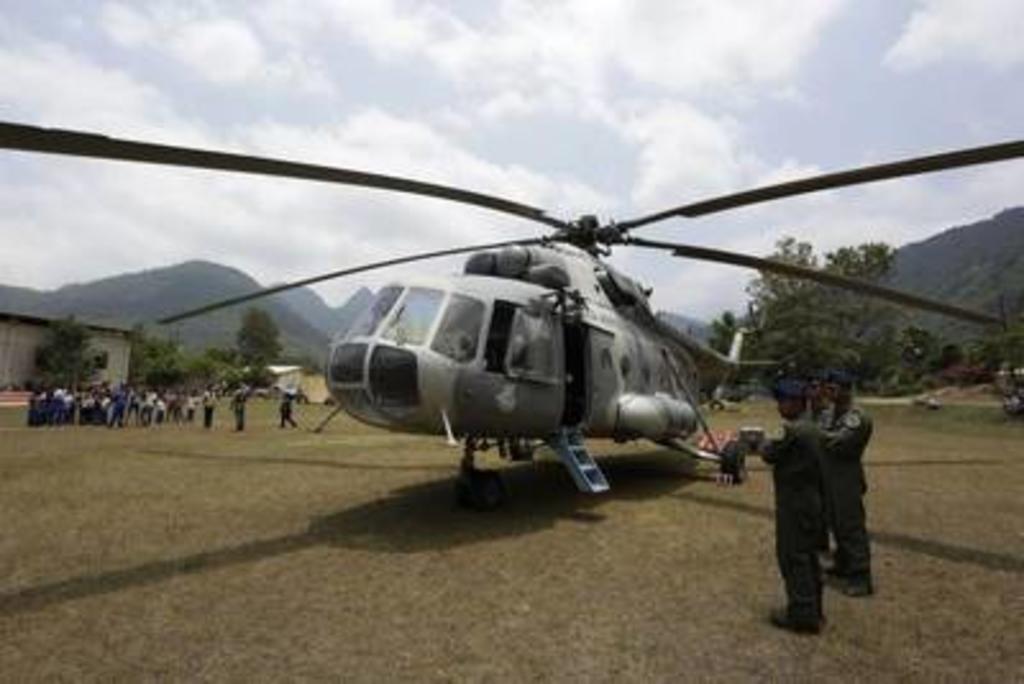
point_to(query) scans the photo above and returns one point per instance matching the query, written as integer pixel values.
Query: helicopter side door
(603, 382)
(520, 391)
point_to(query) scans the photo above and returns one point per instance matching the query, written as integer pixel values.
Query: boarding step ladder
(568, 444)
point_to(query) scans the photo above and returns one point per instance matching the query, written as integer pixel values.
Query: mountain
(328, 320)
(694, 327)
(306, 323)
(975, 265)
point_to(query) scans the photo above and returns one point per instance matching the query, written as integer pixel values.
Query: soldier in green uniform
(795, 459)
(845, 439)
(819, 413)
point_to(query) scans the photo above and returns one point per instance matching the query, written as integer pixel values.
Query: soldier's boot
(858, 586)
(796, 621)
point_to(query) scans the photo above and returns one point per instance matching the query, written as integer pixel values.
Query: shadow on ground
(929, 547)
(265, 461)
(416, 518)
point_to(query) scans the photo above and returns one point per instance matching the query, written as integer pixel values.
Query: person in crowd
(159, 409)
(287, 401)
(190, 407)
(209, 403)
(238, 400)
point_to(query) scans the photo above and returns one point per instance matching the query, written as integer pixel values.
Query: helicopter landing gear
(478, 490)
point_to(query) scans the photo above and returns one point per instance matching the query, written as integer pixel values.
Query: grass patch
(178, 553)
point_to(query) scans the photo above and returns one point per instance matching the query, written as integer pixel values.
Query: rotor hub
(588, 233)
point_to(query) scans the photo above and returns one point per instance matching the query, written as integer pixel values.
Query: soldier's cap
(789, 388)
(838, 376)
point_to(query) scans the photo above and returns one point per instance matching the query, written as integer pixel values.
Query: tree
(808, 327)
(156, 362)
(723, 329)
(1004, 348)
(799, 329)
(257, 338)
(65, 359)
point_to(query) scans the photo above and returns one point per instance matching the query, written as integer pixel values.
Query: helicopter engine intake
(656, 417)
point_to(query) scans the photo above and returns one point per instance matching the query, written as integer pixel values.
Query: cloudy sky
(580, 106)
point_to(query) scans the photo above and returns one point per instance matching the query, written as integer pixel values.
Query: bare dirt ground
(173, 554)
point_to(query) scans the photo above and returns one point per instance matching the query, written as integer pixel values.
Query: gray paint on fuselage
(483, 403)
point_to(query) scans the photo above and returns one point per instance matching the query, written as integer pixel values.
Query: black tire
(480, 490)
(519, 449)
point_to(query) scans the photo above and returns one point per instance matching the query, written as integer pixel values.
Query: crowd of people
(127, 406)
(115, 407)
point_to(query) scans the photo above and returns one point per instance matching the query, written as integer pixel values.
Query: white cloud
(81, 93)
(574, 54)
(985, 31)
(78, 219)
(683, 153)
(215, 48)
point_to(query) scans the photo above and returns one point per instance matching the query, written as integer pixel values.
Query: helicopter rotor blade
(818, 276)
(865, 174)
(92, 145)
(266, 292)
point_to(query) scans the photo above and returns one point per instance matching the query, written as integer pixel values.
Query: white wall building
(22, 335)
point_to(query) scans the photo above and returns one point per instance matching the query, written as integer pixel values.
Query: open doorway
(575, 408)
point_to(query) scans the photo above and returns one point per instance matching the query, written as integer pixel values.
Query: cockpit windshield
(458, 337)
(414, 317)
(368, 321)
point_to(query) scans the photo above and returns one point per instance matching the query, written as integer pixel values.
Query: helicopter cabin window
(531, 346)
(414, 317)
(459, 335)
(371, 317)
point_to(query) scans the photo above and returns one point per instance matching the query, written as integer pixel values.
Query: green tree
(807, 326)
(723, 329)
(156, 361)
(799, 330)
(257, 338)
(66, 359)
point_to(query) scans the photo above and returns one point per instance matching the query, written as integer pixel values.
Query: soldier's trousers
(797, 533)
(849, 525)
(801, 574)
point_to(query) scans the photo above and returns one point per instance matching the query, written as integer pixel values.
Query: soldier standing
(238, 406)
(845, 439)
(795, 458)
(287, 400)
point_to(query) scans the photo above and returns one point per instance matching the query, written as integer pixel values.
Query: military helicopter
(539, 340)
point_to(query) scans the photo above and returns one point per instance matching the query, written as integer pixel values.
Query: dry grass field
(176, 554)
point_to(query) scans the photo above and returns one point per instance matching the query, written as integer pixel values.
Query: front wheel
(479, 490)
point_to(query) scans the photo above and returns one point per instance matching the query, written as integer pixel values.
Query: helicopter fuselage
(501, 355)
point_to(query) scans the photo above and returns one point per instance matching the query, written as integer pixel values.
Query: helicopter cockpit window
(459, 334)
(414, 317)
(531, 348)
(375, 313)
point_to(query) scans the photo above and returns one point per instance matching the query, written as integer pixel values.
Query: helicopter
(539, 341)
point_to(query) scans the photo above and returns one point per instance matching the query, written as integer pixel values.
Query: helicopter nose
(394, 377)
